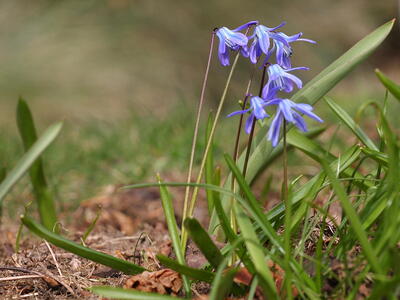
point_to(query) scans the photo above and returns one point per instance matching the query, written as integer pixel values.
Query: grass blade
(390, 85)
(256, 253)
(28, 159)
(349, 122)
(222, 282)
(355, 222)
(209, 167)
(45, 201)
(254, 205)
(127, 294)
(93, 255)
(204, 242)
(193, 273)
(173, 229)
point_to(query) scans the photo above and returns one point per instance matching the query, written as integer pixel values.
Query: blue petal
(244, 51)
(299, 122)
(286, 108)
(236, 38)
(239, 112)
(245, 26)
(253, 52)
(294, 79)
(307, 40)
(306, 109)
(224, 58)
(249, 123)
(257, 104)
(263, 39)
(274, 130)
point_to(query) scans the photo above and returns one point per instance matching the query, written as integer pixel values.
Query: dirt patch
(131, 226)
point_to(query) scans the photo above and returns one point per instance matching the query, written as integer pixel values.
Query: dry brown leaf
(164, 281)
(243, 276)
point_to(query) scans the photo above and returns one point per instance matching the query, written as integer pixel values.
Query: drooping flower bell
(280, 79)
(290, 112)
(232, 40)
(283, 49)
(257, 111)
(261, 41)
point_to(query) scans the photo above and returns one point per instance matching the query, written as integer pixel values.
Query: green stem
(189, 212)
(196, 128)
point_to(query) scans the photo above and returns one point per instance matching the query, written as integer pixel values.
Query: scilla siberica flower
(283, 49)
(261, 41)
(232, 40)
(289, 111)
(280, 80)
(257, 111)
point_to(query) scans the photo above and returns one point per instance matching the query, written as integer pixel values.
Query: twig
(26, 295)
(20, 277)
(44, 276)
(54, 258)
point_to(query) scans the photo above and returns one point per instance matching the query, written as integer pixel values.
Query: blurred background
(125, 75)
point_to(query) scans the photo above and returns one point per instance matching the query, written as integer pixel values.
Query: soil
(131, 226)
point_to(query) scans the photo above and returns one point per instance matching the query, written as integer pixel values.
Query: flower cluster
(269, 42)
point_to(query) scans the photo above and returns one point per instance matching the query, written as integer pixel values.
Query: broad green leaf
(196, 274)
(28, 159)
(45, 201)
(318, 87)
(93, 255)
(127, 294)
(349, 122)
(169, 212)
(390, 85)
(3, 174)
(203, 241)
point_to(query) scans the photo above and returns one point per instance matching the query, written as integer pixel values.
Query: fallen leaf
(164, 281)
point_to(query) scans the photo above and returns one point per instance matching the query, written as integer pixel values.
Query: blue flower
(232, 40)
(283, 48)
(290, 112)
(257, 111)
(280, 80)
(261, 41)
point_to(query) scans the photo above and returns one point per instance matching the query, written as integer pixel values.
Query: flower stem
(192, 203)
(250, 140)
(196, 128)
(288, 217)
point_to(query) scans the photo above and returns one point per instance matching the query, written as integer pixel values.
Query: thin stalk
(288, 217)
(203, 161)
(236, 150)
(250, 140)
(196, 128)
(234, 156)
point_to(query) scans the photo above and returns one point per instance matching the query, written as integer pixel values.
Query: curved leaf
(390, 85)
(93, 255)
(28, 159)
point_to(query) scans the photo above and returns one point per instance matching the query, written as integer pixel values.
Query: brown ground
(131, 226)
